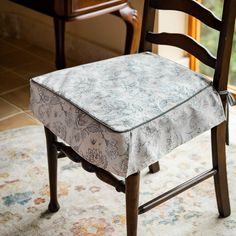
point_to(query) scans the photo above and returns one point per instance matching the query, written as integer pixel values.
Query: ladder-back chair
(122, 115)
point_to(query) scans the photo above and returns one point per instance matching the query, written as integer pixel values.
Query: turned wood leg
(155, 167)
(227, 125)
(59, 28)
(52, 170)
(132, 201)
(219, 163)
(130, 16)
(227, 135)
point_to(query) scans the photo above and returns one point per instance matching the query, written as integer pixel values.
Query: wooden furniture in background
(64, 11)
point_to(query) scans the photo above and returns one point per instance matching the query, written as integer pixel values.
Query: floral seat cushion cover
(125, 113)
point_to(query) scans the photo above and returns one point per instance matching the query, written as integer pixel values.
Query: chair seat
(124, 120)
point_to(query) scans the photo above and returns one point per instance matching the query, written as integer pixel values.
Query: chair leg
(227, 125)
(219, 163)
(154, 168)
(59, 28)
(132, 201)
(227, 135)
(130, 16)
(52, 170)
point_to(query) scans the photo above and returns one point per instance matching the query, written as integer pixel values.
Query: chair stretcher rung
(105, 176)
(175, 191)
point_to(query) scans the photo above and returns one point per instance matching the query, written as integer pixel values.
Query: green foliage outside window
(209, 38)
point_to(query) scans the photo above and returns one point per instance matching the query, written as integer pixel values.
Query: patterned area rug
(90, 207)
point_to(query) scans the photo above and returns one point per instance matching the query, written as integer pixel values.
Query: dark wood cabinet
(68, 9)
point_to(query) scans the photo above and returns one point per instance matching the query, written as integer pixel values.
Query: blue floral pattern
(125, 113)
(19, 198)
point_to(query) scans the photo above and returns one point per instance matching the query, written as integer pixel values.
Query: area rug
(90, 207)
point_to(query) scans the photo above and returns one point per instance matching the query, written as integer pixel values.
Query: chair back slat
(184, 42)
(190, 7)
(225, 26)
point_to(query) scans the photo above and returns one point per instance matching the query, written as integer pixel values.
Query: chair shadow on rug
(46, 214)
(121, 115)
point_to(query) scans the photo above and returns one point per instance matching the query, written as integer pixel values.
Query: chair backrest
(225, 26)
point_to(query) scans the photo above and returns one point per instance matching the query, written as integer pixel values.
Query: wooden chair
(123, 114)
(64, 11)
